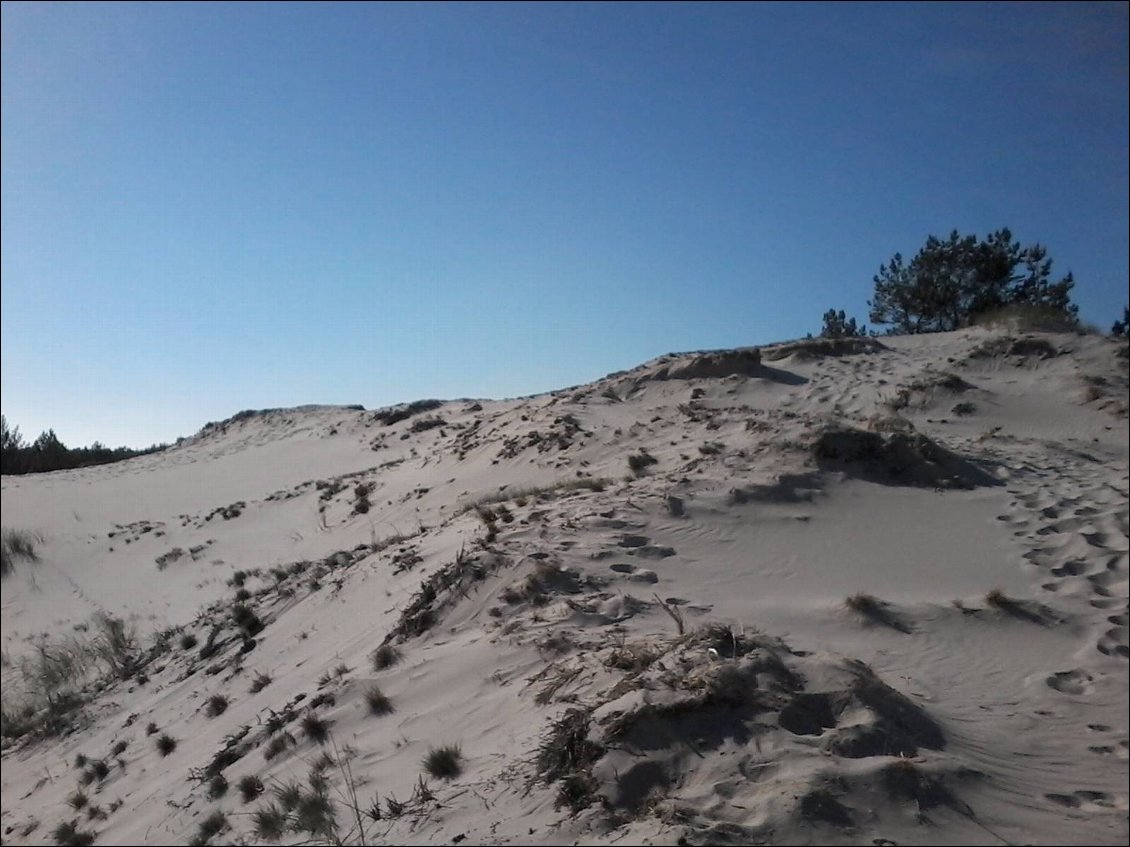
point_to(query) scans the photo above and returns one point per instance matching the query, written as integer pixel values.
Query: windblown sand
(871, 592)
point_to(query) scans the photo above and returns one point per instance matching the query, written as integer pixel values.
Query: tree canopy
(48, 453)
(949, 283)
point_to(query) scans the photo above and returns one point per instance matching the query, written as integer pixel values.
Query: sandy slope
(926, 716)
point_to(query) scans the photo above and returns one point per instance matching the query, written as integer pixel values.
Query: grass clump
(639, 462)
(377, 701)
(217, 704)
(261, 681)
(68, 833)
(270, 823)
(217, 787)
(278, 745)
(211, 826)
(444, 762)
(315, 728)
(166, 744)
(250, 787)
(385, 656)
(18, 544)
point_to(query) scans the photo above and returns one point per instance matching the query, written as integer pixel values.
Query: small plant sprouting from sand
(999, 600)
(444, 762)
(166, 744)
(18, 544)
(261, 681)
(674, 612)
(78, 800)
(871, 608)
(385, 656)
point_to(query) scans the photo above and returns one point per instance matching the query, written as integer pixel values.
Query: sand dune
(864, 592)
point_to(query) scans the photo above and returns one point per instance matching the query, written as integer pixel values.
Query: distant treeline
(48, 453)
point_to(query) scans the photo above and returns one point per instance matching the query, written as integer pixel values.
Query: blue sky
(215, 207)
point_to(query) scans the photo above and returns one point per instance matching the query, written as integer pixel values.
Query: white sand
(981, 724)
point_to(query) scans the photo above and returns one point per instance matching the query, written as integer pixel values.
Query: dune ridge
(812, 593)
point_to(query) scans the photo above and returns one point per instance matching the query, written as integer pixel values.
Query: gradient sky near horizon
(213, 207)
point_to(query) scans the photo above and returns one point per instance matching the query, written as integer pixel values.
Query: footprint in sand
(1071, 682)
(1088, 801)
(1072, 568)
(1114, 642)
(635, 574)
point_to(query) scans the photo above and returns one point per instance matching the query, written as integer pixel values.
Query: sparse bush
(118, 748)
(217, 704)
(250, 787)
(18, 544)
(211, 826)
(270, 823)
(188, 641)
(245, 618)
(839, 325)
(261, 681)
(68, 833)
(278, 745)
(444, 762)
(166, 744)
(115, 643)
(378, 701)
(217, 787)
(315, 728)
(385, 656)
(77, 800)
(639, 462)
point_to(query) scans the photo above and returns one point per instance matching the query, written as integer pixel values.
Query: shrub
(115, 643)
(270, 823)
(261, 681)
(68, 833)
(77, 800)
(250, 787)
(188, 641)
(385, 656)
(212, 825)
(217, 704)
(638, 462)
(839, 325)
(444, 762)
(245, 618)
(166, 744)
(315, 728)
(17, 544)
(278, 745)
(378, 701)
(217, 787)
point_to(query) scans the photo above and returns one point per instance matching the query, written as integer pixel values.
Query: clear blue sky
(215, 207)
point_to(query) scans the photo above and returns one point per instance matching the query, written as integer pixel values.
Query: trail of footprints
(1079, 535)
(1077, 527)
